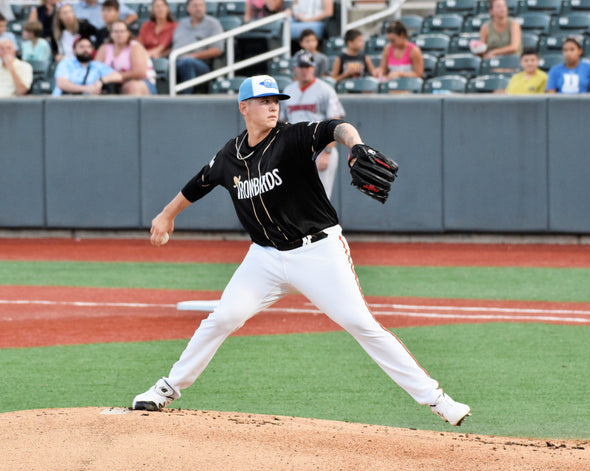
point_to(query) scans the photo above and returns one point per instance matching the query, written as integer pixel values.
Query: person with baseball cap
(313, 99)
(297, 245)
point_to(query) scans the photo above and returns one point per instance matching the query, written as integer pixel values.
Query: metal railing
(346, 5)
(231, 66)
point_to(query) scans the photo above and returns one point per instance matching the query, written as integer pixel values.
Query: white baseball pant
(323, 272)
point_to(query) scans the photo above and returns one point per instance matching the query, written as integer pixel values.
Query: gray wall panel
(495, 164)
(408, 130)
(21, 163)
(569, 165)
(179, 137)
(92, 160)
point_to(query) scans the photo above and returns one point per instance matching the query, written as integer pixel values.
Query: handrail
(392, 9)
(231, 66)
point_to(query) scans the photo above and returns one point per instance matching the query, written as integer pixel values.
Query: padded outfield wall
(467, 163)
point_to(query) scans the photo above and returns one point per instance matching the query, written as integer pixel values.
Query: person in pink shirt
(400, 58)
(156, 33)
(256, 9)
(128, 57)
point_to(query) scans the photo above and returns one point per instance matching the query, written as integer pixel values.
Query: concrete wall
(467, 163)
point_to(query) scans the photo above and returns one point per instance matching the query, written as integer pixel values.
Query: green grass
(534, 284)
(527, 380)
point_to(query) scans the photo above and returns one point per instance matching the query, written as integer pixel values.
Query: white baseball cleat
(451, 411)
(156, 398)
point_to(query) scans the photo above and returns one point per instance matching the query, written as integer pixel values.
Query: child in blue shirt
(573, 76)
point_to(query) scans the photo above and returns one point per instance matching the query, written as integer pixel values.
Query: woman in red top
(156, 34)
(400, 58)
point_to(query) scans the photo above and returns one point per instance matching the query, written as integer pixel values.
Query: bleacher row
(443, 38)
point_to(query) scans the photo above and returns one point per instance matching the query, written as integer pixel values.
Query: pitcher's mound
(119, 439)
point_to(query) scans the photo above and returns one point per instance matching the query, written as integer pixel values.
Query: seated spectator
(309, 41)
(502, 34)
(353, 63)
(197, 26)
(110, 13)
(16, 76)
(66, 27)
(91, 11)
(531, 79)
(256, 9)
(310, 14)
(573, 76)
(44, 13)
(6, 34)
(80, 75)
(400, 58)
(34, 47)
(128, 57)
(156, 34)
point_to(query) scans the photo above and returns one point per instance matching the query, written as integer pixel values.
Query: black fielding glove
(372, 172)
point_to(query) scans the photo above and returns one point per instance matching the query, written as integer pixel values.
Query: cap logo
(268, 83)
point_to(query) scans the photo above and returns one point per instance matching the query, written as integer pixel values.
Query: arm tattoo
(346, 134)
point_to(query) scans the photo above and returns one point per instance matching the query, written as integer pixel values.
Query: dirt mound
(119, 439)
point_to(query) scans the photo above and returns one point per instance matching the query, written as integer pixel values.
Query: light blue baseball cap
(259, 86)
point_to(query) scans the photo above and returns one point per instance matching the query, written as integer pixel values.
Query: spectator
(197, 26)
(573, 76)
(34, 47)
(110, 14)
(531, 79)
(16, 76)
(66, 27)
(353, 63)
(80, 75)
(91, 11)
(502, 34)
(128, 57)
(310, 14)
(309, 41)
(400, 58)
(256, 9)
(313, 100)
(6, 34)
(44, 13)
(156, 34)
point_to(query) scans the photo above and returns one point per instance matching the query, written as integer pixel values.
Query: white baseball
(165, 238)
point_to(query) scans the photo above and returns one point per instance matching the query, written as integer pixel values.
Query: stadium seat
(358, 85)
(446, 84)
(231, 8)
(228, 86)
(462, 7)
(552, 43)
(329, 80)
(40, 69)
(530, 41)
(334, 46)
(283, 80)
(534, 22)
(462, 64)
(553, 7)
(402, 84)
(548, 60)
(571, 23)
(279, 67)
(15, 27)
(20, 11)
(473, 23)
(375, 45)
(450, 23)
(572, 6)
(42, 87)
(488, 83)
(162, 81)
(460, 42)
(413, 23)
(230, 21)
(429, 65)
(500, 65)
(436, 44)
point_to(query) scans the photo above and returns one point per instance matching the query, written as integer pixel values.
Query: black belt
(295, 244)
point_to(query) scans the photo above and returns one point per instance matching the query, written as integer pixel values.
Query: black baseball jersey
(274, 186)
